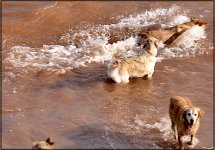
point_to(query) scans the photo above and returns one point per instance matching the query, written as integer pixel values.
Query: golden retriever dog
(168, 35)
(121, 69)
(185, 118)
(48, 144)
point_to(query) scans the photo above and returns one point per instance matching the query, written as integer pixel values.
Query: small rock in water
(14, 91)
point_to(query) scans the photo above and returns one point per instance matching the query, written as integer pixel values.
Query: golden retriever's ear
(201, 22)
(49, 141)
(183, 116)
(200, 113)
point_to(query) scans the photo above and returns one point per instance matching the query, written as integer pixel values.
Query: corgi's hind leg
(117, 79)
(124, 76)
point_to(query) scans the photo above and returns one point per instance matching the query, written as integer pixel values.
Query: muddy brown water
(82, 108)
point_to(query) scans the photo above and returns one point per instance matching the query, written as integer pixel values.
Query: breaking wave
(94, 44)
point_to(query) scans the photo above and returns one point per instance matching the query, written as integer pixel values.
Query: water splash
(164, 126)
(92, 44)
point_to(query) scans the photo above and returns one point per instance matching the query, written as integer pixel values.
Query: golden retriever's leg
(149, 75)
(117, 79)
(174, 130)
(125, 81)
(114, 75)
(124, 76)
(191, 141)
(179, 140)
(175, 135)
(150, 71)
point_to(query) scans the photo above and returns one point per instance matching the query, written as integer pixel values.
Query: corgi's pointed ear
(116, 61)
(157, 44)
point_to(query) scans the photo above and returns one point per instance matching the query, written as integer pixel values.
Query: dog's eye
(189, 114)
(195, 114)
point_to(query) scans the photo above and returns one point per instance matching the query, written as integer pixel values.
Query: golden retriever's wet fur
(168, 35)
(185, 118)
(121, 69)
(48, 144)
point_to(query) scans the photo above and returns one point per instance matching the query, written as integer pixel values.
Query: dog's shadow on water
(100, 136)
(82, 77)
(97, 74)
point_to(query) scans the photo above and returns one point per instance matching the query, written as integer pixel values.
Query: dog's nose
(191, 121)
(138, 44)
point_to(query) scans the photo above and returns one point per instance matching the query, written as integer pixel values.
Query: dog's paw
(190, 143)
(149, 77)
(125, 81)
(179, 147)
(176, 137)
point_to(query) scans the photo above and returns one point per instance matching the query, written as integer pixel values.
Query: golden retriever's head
(188, 25)
(191, 115)
(199, 22)
(48, 144)
(49, 141)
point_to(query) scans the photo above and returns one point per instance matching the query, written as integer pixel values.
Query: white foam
(164, 126)
(94, 46)
(186, 45)
(173, 21)
(208, 147)
(187, 139)
(14, 91)
(107, 137)
(189, 37)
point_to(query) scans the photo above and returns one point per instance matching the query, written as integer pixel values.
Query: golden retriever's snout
(191, 121)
